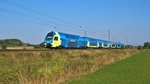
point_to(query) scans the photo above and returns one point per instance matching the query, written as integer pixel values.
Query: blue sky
(126, 19)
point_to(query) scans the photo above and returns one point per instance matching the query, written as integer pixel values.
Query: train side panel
(69, 40)
(105, 44)
(83, 42)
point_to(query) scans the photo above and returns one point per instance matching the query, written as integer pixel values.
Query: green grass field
(134, 70)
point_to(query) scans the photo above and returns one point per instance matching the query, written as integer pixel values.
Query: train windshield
(49, 36)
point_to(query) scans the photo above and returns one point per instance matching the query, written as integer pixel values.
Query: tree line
(4, 43)
(11, 42)
(146, 45)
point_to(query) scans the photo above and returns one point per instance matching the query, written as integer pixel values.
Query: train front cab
(52, 40)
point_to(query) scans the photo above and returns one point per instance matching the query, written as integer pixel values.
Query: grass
(134, 70)
(54, 66)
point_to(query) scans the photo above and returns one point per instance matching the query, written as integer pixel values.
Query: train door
(56, 40)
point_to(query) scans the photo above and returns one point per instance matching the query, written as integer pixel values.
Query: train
(64, 40)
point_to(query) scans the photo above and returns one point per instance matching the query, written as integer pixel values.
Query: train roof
(68, 34)
(89, 38)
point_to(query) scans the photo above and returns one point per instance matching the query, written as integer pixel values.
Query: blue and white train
(63, 40)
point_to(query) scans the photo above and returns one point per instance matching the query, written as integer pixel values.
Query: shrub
(4, 46)
(140, 47)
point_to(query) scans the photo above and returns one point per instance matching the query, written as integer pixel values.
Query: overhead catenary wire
(45, 15)
(35, 22)
(29, 21)
(43, 24)
(22, 14)
(18, 13)
(69, 27)
(37, 12)
(32, 21)
(33, 17)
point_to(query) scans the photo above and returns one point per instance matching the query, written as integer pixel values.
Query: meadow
(55, 66)
(133, 70)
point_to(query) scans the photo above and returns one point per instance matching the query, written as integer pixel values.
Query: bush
(140, 47)
(4, 46)
(40, 45)
(147, 45)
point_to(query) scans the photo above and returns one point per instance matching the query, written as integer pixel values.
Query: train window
(105, 45)
(56, 38)
(49, 36)
(113, 45)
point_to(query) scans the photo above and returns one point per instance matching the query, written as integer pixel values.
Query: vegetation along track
(18, 50)
(55, 66)
(37, 50)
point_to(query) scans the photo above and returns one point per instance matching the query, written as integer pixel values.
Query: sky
(30, 20)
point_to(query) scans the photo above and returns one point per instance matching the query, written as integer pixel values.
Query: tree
(147, 45)
(4, 46)
(140, 47)
(41, 45)
(11, 42)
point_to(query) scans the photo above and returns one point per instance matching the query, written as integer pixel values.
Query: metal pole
(84, 38)
(108, 35)
(127, 41)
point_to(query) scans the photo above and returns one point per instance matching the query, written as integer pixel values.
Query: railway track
(13, 50)
(42, 50)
